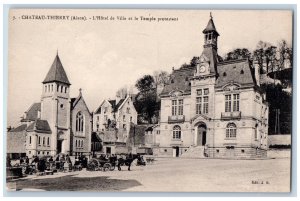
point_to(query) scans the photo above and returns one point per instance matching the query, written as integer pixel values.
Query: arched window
(43, 141)
(48, 141)
(51, 87)
(45, 88)
(79, 122)
(231, 130)
(57, 87)
(29, 139)
(65, 89)
(39, 140)
(176, 132)
(61, 89)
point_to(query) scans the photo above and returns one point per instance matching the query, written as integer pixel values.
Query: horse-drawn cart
(96, 164)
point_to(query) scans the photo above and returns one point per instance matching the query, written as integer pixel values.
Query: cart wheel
(93, 165)
(106, 167)
(112, 167)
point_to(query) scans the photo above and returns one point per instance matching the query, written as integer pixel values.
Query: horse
(128, 161)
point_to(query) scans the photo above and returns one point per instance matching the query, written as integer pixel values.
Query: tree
(282, 100)
(146, 100)
(161, 77)
(122, 92)
(145, 83)
(239, 53)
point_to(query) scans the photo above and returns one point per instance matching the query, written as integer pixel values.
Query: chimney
(256, 72)
(38, 114)
(118, 98)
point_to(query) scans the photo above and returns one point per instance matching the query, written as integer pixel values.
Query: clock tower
(207, 64)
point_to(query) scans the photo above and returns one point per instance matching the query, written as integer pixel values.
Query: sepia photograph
(149, 100)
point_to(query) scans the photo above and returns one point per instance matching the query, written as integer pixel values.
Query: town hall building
(215, 109)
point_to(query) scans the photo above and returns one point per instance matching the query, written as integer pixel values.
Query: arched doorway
(201, 134)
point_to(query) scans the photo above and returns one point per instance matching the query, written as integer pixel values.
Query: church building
(215, 109)
(57, 124)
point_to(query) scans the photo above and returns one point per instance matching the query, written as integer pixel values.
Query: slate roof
(237, 71)
(179, 80)
(32, 112)
(115, 109)
(41, 126)
(212, 55)
(95, 137)
(57, 73)
(210, 27)
(19, 128)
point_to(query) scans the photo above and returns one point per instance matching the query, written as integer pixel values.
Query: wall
(87, 132)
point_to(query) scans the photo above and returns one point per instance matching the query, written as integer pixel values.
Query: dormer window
(224, 74)
(242, 71)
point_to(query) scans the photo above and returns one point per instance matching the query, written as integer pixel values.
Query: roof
(212, 55)
(41, 126)
(32, 112)
(19, 128)
(210, 27)
(236, 71)
(179, 81)
(57, 73)
(115, 109)
(95, 137)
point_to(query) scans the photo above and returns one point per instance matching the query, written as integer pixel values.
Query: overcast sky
(102, 56)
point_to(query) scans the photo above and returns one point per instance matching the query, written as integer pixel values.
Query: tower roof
(210, 26)
(57, 73)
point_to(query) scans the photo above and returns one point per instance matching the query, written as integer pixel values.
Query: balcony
(176, 142)
(176, 119)
(230, 115)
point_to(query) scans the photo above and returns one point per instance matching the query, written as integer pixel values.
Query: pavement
(171, 175)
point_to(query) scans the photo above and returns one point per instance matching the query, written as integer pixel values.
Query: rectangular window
(205, 104)
(29, 139)
(205, 91)
(202, 101)
(227, 103)
(174, 107)
(199, 92)
(198, 105)
(39, 140)
(180, 107)
(236, 102)
(43, 141)
(232, 103)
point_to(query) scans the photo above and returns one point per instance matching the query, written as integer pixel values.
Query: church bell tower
(55, 107)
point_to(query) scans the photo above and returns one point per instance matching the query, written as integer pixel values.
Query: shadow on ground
(71, 183)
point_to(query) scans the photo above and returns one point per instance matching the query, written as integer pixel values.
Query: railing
(230, 115)
(176, 142)
(176, 119)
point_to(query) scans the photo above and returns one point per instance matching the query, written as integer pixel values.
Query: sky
(101, 56)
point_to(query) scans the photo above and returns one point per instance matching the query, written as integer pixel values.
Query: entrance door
(201, 135)
(108, 150)
(230, 151)
(59, 146)
(175, 151)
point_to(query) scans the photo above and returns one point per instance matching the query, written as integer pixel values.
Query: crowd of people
(61, 163)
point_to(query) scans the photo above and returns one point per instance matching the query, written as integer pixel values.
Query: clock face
(202, 69)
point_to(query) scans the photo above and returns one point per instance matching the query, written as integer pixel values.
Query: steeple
(57, 73)
(210, 34)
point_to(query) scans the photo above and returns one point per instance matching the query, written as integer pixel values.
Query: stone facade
(214, 109)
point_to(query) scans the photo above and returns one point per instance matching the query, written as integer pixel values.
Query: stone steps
(194, 152)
